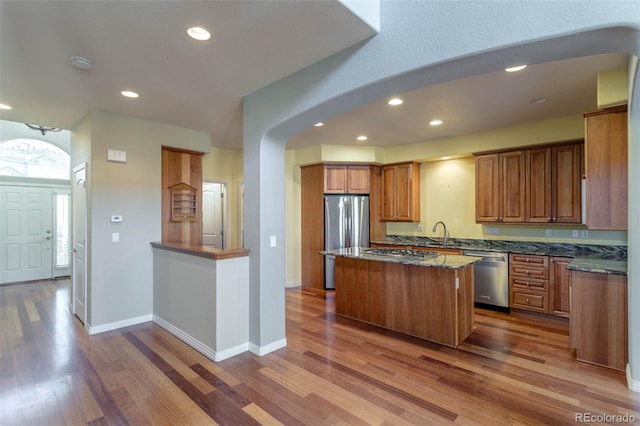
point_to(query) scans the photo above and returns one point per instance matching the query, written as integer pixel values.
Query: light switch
(273, 241)
(115, 237)
(116, 156)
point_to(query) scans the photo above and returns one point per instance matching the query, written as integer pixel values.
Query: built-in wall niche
(181, 196)
(184, 203)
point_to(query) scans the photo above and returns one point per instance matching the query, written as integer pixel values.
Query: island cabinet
(553, 184)
(599, 318)
(400, 192)
(606, 168)
(431, 303)
(346, 179)
(500, 187)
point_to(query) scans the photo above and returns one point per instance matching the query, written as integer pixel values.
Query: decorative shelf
(183, 203)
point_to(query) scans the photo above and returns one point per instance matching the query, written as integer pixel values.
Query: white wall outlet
(585, 233)
(272, 241)
(419, 228)
(116, 218)
(574, 233)
(115, 237)
(493, 231)
(548, 232)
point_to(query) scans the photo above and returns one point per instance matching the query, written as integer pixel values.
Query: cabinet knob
(528, 284)
(528, 301)
(528, 260)
(548, 219)
(554, 219)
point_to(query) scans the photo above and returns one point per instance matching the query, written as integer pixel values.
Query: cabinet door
(566, 184)
(599, 318)
(512, 191)
(403, 180)
(487, 195)
(559, 282)
(606, 169)
(358, 179)
(538, 185)
(388, 197)
(335, 179)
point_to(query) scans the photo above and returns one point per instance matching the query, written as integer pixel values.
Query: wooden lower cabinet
(559, 287)
(529, 282)
(419, 301)
(599, 318)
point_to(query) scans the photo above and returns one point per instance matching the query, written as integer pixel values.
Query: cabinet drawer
(529, 271)
(529, 284)
(531, 301)
(529, 259)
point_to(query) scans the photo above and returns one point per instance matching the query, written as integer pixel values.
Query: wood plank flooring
(513, 369)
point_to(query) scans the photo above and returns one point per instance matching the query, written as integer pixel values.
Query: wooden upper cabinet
(606, 168)
(346, 179)
(553, 192)
(401, 192)
(566, 183)
(487, 181)
(512, 186)
(500, 190)
(538, 188)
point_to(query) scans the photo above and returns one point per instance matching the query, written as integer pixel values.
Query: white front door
(79, 277)
(25, 233)
(213, 214)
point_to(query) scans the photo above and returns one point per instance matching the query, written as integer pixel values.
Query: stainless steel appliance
(491, 279)
(346, 224)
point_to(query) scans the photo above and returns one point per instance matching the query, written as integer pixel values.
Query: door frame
(225, 209)
(72, 301)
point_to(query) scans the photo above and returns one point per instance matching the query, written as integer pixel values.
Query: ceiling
(142, 46)
(470, 105)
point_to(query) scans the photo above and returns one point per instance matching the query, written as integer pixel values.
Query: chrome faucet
(445, 240)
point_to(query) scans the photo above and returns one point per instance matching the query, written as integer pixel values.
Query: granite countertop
(436, 260)
(586, 257)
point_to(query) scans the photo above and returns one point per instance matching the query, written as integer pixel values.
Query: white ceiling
(142, 46)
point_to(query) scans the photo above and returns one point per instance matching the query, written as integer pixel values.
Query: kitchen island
(425, 295)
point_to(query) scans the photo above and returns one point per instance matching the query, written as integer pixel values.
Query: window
(63, 228)
(33, 158)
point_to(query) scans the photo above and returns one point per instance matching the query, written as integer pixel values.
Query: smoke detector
(81, 62)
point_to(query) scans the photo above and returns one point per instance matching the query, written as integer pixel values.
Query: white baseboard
(118, 324)
(293, 284)
(263, 350)
(198, 345)
(633, 385)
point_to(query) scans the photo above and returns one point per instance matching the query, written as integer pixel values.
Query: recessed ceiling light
(435, 122)
(516, 68)
(5, 106)
(129, 94)
(198, 33)
(538, 101)
(362, 138)
(319, 124)
(395, 101)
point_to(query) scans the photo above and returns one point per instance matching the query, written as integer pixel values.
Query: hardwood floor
(511, 370)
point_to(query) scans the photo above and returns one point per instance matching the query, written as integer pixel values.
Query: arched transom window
(33, 158)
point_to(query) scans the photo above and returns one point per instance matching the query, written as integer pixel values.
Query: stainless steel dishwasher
(491, 279)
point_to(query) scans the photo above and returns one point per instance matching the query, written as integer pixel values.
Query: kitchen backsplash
(529, 247)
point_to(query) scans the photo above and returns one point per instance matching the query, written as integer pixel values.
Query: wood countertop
(202, 251)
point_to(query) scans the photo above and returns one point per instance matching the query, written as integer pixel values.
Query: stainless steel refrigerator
(346, 224)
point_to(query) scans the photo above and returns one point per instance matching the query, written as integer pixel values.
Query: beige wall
(225, 166)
